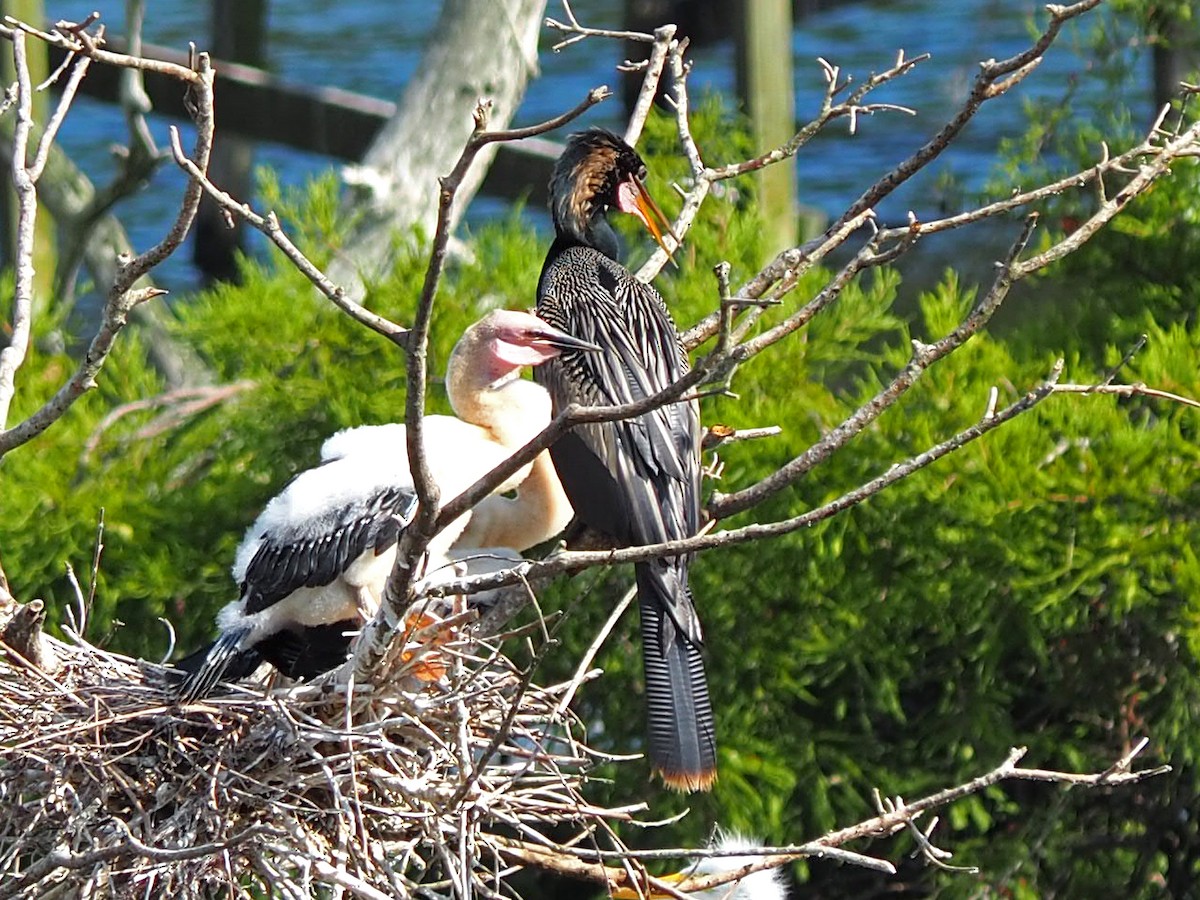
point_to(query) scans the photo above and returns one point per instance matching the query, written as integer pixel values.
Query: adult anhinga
(315, 562)
(637, 480)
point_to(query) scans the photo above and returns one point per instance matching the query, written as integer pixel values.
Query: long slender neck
(595, 233)
(513, 411)
(545, 510)
(494, 396)
(538, 512)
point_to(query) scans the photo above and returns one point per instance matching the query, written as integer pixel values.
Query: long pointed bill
(548, 334)
(633, 198)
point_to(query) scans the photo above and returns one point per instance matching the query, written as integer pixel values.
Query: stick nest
(415, 786)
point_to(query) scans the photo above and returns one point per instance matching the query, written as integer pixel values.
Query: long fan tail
(681, 731)
(222, 660)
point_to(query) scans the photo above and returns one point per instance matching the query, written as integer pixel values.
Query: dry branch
(416, 537)
(185, 797)
(269, 225)
(122, 296)
(993, 80)
(575, 561)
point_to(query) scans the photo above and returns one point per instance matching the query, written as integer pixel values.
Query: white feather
(360, 465)
(768, 884)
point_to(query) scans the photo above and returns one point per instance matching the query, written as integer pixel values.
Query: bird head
(597, 172)
(501, 343)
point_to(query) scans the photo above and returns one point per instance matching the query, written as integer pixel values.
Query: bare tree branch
(122, 296)
(578, 862)
(269, 225)
(579, 32)
(663, 38)
(373, 643)
(12, 356)
(1126, 390)
(181, 403)
(923, 356)
(74, 38)
(574, 561)
(992, 81)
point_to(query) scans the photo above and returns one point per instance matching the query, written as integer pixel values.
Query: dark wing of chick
(314, 550)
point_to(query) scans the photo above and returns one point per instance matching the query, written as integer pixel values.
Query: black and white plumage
(637, 480)
(313, 565)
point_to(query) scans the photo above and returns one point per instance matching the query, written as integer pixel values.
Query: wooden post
(239, 34)
(43, 237)
(765, 72)
(1176, 53)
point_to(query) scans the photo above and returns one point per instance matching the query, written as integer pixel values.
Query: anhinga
(637, 480)
(314, 563)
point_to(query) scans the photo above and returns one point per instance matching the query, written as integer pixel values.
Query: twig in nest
(253, 783)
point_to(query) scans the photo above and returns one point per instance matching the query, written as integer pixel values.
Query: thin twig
(575, 561)
(122, 297)
(579, 32)
(13, 356)
(923, 356)
(269, 225)
(1126, 390)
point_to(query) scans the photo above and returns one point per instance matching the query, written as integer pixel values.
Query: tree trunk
(479, 49)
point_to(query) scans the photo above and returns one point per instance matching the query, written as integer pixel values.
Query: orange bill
(633, 198)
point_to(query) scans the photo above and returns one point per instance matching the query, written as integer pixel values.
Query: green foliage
(177, 498)
(1139, 270)
(1040, 588)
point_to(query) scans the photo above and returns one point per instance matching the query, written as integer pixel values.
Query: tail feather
(680, 727)
(223, 660)
(310, 651)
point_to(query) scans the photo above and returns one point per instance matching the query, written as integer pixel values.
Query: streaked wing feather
(652, 457)
(315, 553)
(637, 479)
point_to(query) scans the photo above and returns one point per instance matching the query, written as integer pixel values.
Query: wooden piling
(765, 73)
(239, 33)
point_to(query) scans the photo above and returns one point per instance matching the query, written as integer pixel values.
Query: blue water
(372, 46)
